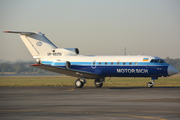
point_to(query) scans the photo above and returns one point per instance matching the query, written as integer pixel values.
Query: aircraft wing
(69, 72)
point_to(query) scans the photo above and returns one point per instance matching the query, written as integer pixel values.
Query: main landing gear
(97, 82)
(80, 82)
(150, 84)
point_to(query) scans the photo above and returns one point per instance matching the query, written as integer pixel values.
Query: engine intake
(68, 64)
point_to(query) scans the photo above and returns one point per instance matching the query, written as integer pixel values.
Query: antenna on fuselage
(116, 53)
(124, 50)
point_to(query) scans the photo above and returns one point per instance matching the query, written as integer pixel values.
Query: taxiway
(89, 103)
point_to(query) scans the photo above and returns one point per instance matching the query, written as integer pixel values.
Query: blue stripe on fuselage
(136, 69)
(108, 63)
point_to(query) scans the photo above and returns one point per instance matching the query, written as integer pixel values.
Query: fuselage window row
(113, 63)
(130, 63)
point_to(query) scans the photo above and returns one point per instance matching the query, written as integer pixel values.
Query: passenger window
(99, 63)
(105, 63)
(111, 63)
(124, 63)
(117, 63)
(135, 63)
(130, 63)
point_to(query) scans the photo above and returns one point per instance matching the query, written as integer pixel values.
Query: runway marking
(131, 116)
(139, 111)
(130, 111)
(60, 91)
(71, 90)
(89, 111)
(79, 112)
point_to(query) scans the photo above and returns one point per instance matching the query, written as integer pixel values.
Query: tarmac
(69, 103)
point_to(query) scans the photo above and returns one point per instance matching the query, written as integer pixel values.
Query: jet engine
(68, 64)
(64, 52)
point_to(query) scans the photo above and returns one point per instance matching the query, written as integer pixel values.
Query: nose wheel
(150, 84)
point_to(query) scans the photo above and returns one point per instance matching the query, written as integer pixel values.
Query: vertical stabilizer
(36, 42)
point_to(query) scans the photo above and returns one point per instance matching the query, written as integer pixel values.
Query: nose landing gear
(150, 84)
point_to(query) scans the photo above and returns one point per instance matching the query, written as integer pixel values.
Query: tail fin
(36, 42)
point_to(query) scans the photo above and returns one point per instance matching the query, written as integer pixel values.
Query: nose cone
(171, 70)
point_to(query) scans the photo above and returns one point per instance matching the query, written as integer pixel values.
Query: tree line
(20, 68)
(174, 62)
(24, 67)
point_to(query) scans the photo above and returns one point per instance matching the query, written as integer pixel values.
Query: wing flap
(69, 72)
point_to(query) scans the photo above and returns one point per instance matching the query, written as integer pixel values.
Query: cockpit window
(152, 61)
(157, 61)
(161, 61)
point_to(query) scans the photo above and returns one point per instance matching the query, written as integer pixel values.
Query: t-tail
(40, 46)
(36, 42)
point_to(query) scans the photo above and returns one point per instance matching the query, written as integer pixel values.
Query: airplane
(68, 61)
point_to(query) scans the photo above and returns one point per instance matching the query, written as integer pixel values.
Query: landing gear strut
(80, 83)
(150, 84)
(99, 82)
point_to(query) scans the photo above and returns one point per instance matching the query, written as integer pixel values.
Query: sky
(95, 27)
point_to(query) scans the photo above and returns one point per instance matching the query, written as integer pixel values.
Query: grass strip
(22, 81)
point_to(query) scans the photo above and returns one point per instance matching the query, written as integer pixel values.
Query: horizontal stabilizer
(21, 33)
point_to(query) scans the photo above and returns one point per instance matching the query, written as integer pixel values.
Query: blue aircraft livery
(68, 61)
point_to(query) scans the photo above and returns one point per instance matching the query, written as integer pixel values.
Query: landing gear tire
(98, 83)
(79, 84)
(150, 85)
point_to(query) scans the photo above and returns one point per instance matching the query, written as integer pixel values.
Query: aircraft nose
(171, 70)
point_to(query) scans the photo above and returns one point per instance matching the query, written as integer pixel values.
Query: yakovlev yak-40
(68, 61)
